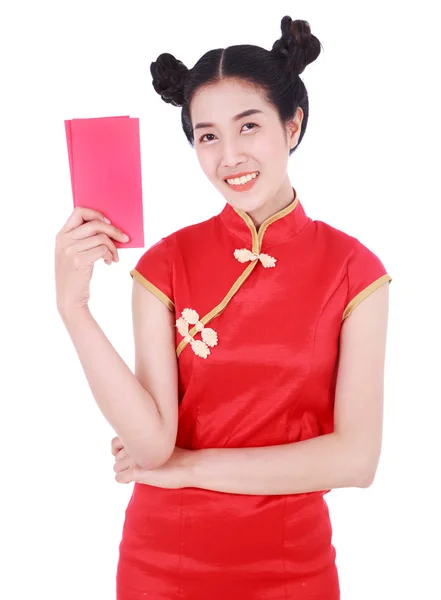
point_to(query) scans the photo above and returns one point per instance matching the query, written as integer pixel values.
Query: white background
(366, 165)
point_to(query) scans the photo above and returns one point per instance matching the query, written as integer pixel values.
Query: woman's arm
(141, 408)
(348, 457)
(320, 463)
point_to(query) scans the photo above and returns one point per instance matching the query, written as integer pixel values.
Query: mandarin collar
(279, 227)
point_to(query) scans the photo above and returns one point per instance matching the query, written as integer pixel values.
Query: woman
(260, 340)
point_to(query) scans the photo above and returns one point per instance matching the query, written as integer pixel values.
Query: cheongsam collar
(282, 225)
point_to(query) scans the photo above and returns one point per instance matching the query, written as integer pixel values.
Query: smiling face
(227, 145)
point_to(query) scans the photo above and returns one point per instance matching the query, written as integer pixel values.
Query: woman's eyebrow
(245, 113)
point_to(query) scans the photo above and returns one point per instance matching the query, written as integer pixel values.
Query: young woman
(260, 340)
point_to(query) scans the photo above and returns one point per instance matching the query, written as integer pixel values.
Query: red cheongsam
(258, 318)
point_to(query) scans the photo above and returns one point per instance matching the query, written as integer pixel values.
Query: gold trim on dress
(364, 294)
(153, 289)
(257, 238)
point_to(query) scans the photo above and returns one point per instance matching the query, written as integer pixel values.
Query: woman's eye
(246, 124)
(202, 138)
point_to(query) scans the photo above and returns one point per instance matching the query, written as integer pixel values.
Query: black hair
(275, 72)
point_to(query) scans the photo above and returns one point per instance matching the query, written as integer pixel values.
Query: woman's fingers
(97, 226)
(84, 239)
(121, 454)
(89, 235)
(100, 239)
(80, 215)
(116, 445)
(84, 259)
(123, 464)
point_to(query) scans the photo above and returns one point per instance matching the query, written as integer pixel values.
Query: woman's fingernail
(125, 237)
(107, 220)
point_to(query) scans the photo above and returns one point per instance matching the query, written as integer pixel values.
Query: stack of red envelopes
(105, 170)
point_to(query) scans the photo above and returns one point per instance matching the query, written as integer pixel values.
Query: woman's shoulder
(178, 244)
(193, 230)
(195, 237)
(363, 271)
(331, 238)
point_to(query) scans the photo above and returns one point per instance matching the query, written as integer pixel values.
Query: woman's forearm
(124, 402)
(316, 464)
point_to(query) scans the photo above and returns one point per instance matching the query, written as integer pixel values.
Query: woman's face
(226, 146)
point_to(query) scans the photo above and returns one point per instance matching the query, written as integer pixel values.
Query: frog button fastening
(209, 336)
(244, 255)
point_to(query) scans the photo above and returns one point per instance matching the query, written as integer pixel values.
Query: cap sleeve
(365, 274)
(153, 271)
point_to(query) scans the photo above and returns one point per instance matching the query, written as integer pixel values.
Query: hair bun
(297, 44)
(169, 76)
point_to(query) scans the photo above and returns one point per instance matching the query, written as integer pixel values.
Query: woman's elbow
(158, 459)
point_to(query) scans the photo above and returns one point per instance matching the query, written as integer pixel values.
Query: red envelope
(105, 169)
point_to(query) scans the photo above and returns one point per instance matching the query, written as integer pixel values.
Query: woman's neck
(283, 199)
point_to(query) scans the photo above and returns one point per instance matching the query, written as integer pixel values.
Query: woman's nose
(232, 155)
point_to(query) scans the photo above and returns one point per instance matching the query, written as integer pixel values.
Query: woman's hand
(123, 461)
(174, 474)
(84, 239)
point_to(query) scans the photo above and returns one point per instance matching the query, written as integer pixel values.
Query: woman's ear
(294, 128)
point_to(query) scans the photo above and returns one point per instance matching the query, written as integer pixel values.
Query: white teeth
(244, 179)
